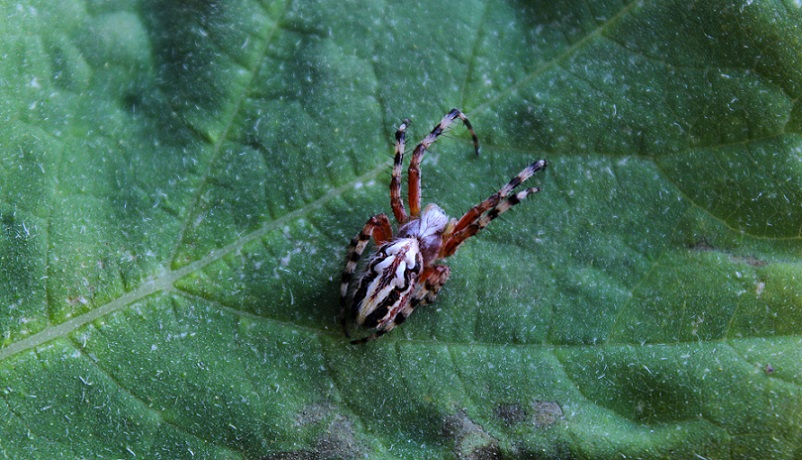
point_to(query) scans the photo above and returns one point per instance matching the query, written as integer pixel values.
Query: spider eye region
(387, 283)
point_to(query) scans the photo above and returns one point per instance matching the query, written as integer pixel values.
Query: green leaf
(179, 182)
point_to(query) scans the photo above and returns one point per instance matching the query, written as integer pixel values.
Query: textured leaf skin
(179, 181)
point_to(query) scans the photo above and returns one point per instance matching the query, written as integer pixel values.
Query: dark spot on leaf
(702, 245)
(511, 414)
(470, 439)
(750, 260)
(298, 455)
(313, 413)
(485, 453)
(559, 450)
(337, 439)
(546, 413)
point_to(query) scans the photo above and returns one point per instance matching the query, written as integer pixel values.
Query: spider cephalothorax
(403, 273)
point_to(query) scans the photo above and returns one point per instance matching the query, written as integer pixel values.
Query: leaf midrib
(164, 282)
(223, 136)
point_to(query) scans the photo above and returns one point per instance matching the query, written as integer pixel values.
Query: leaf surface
(179, 182)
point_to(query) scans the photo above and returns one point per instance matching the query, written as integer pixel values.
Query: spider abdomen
(387, 284)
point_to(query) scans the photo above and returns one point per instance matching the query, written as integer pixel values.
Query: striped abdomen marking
(387, 284)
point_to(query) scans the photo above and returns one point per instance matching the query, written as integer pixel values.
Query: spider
(405, 272)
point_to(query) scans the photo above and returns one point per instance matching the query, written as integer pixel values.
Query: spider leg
(380, 229)
(493, 200)
(413, 173)
(429, 285)
(482, 214)
(395, 183)
(456, 239)
(429, 288)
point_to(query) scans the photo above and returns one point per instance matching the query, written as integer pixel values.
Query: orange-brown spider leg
(395, 183)
(413, 173)
(483, 213)
(493, 200)
(456, 239)
(380, 229)
(432, 280)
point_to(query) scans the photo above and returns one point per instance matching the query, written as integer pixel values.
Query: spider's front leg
(483, 213)
(380, 229)
(413, 173)
(395, 183)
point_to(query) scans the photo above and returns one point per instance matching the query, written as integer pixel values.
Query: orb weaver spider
(405, 272)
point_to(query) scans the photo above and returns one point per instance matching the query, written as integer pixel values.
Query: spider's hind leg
(428, 289)
(380, 229)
